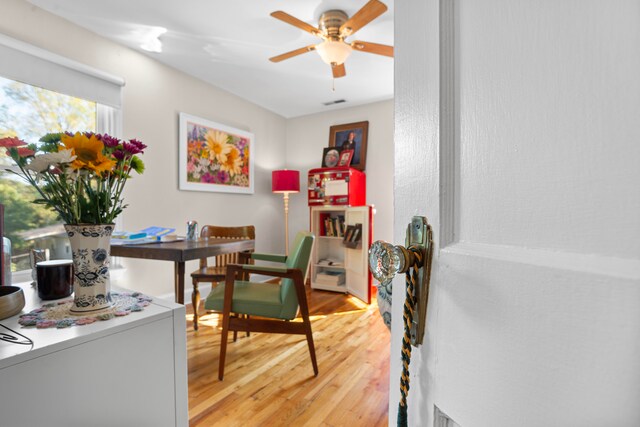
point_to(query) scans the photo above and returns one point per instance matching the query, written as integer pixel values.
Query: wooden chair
(275, 303)
(216, 273)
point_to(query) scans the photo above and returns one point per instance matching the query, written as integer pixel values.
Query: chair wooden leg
(304, 311)
(226, 314)
(223, 344)
(312, 349)
(195, 301)
(235, 333)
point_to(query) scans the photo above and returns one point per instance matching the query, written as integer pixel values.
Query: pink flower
(119, 154)
(133, 146)
(108, 140)
(138, 144)
(207, 178)
(191, 167)
(9, 142)
(222, 177)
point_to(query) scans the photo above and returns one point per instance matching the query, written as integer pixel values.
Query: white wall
(527, 157)
(153, 96)
(308, 135)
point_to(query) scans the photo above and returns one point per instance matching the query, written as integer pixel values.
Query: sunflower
(217, 145)
(233, 163)
(88, 152)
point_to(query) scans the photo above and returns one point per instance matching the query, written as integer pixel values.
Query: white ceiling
(228, 43)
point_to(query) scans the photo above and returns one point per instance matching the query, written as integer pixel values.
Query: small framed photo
(351, 136)
(345, 157)
(330, 157)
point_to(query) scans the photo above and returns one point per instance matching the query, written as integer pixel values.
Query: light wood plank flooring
(269, 378)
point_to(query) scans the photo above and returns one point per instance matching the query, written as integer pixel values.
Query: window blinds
(29, 64)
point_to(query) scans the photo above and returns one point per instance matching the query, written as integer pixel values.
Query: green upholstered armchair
(274, 303)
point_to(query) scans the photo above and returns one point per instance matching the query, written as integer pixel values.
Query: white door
(518, 136)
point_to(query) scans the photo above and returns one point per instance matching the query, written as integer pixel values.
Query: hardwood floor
(269, 378)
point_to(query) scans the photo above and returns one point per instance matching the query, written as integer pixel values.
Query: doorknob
(387, 260)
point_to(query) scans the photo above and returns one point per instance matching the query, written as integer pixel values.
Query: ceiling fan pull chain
(333, 85)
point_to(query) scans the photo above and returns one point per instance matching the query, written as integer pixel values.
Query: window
(43, 92)
(29, 112)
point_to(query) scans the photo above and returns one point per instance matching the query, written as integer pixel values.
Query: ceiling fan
(334, 27)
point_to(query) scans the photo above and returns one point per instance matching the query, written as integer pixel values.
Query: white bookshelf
(330, 257)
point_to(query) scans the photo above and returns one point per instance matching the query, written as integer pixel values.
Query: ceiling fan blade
(338, 71)
(285, 17)
(368, 13)
(378, 49)
(293, 53)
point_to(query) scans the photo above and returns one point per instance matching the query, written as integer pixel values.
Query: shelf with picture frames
(339, 257)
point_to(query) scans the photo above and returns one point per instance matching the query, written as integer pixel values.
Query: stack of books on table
(148, 235)
(333, 278)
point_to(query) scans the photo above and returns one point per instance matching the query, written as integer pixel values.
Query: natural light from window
(29, 112)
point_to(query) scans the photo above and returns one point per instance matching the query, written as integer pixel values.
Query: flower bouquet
(81, 176)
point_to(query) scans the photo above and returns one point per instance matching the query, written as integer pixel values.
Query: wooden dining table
(180, 252)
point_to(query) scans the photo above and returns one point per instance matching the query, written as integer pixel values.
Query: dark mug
(54, 278)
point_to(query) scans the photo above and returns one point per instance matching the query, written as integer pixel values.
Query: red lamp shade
(285, 181)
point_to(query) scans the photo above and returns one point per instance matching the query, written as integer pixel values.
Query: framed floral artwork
(351, 136)
(214, 157)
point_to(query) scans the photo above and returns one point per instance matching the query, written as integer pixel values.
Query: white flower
(42, 162)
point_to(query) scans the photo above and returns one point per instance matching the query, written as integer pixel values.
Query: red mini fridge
(337, 186)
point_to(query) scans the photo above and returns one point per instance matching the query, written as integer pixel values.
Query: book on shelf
(330, 278)
(340, 225)
(353, 236)
(332, 226)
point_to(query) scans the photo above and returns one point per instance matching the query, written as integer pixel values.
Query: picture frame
(351, 136)
(345, 158)
(330, 157)
(214, 157)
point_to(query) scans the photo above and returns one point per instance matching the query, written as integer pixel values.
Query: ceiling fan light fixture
(334, 51)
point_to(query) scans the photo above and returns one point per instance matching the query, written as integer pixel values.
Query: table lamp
(285, 182)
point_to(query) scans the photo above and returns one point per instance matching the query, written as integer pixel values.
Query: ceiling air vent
(337, 101)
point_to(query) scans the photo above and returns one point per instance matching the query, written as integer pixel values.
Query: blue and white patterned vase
(90, 248)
